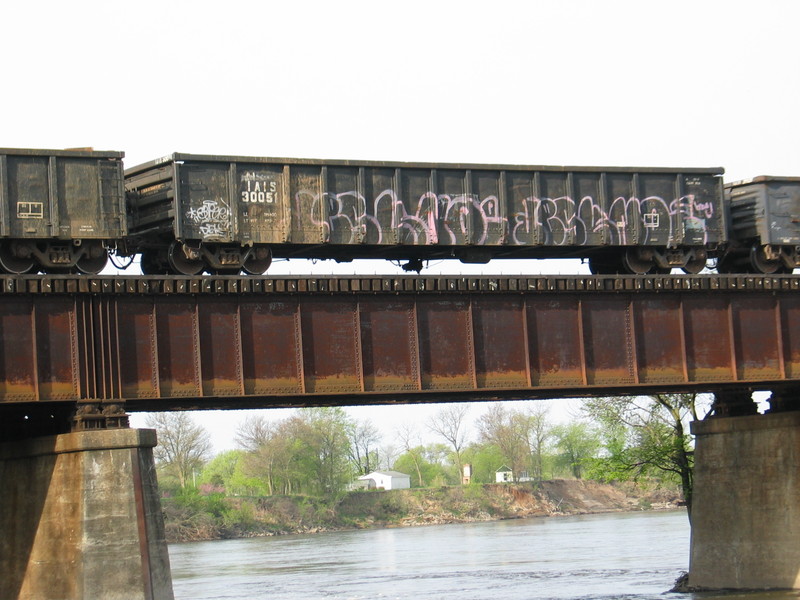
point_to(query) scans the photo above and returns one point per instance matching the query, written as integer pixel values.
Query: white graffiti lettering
(212, 218)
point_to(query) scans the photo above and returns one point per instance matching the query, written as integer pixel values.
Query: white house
(503, 475)
(387, 480)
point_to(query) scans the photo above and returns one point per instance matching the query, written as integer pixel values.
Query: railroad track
(370, 284)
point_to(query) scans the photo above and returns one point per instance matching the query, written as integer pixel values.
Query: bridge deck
(164, 343)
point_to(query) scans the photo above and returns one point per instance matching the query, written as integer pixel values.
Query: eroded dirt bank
(204, 518)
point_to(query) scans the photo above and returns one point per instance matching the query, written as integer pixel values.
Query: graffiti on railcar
(212, 219)
(467, 218)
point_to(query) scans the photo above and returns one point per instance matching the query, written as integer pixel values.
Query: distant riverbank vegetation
(298, 474)
(193, 516)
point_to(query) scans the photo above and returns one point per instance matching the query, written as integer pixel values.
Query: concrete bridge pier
(746, 502)
(80, 518)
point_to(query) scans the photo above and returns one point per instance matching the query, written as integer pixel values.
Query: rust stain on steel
(388, 345)
(330, 345)
(220, 347)
(271, 351)
(659, 342)
(177, 346)
(757, 348)
(555, 341)
(56, 348)
(790, 330)
(18, 375)
(606, 330)
(210, 342)
(708, 339)
(444, 342)
(500, 349)
(138, 351)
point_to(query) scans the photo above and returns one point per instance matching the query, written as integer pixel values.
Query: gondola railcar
(223, 214)
(763, 224)
(60, 210)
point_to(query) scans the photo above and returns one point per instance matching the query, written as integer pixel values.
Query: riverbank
(194, 517)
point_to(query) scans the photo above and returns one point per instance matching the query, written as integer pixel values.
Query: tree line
(321, 451)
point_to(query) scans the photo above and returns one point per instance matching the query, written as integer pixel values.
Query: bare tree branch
(183, 446)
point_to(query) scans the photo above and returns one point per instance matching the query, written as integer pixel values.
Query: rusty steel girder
(163, 343)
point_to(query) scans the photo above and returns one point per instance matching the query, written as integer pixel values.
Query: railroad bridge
(76, 353)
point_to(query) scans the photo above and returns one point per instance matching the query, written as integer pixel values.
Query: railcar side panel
(418, 205)
(523, 226)
(306, 205)
(28, 199)
(262, 207)
(702, 210)
(588, 195)
(766, 208)
(490, 194)
(381, 215)
(344, 205)
(658, 213)
(204, 205)
(62, 194)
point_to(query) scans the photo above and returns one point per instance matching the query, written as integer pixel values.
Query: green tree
(424, 464)
(271, 450)
(655, 438)
(220, 470)
(485, 460)
(226, 470)
(328, 448)
(577, 443)
(307, 452)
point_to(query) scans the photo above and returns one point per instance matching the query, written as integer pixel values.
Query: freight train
(66, 211)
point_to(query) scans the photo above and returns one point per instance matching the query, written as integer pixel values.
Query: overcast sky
(629, 83)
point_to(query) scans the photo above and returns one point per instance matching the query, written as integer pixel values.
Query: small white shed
(387, 480)
(503, 475)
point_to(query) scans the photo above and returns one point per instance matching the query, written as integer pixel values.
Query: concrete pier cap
(746, 503)
(80, 518)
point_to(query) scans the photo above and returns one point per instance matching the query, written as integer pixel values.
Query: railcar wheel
(94, 261)
(694, 266)
(635, 263)
(761, 263)
(11, 262)
(92, 266)
(258, 262)
(182, 264)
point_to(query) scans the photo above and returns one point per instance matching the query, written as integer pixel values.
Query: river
(630, 556)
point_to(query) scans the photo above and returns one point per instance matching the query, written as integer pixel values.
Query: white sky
(696, 83)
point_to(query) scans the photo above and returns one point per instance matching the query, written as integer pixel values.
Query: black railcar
(60, 210)
(764, 225)
(190, 213)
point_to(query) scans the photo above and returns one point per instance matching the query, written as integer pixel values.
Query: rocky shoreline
(226, 518)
